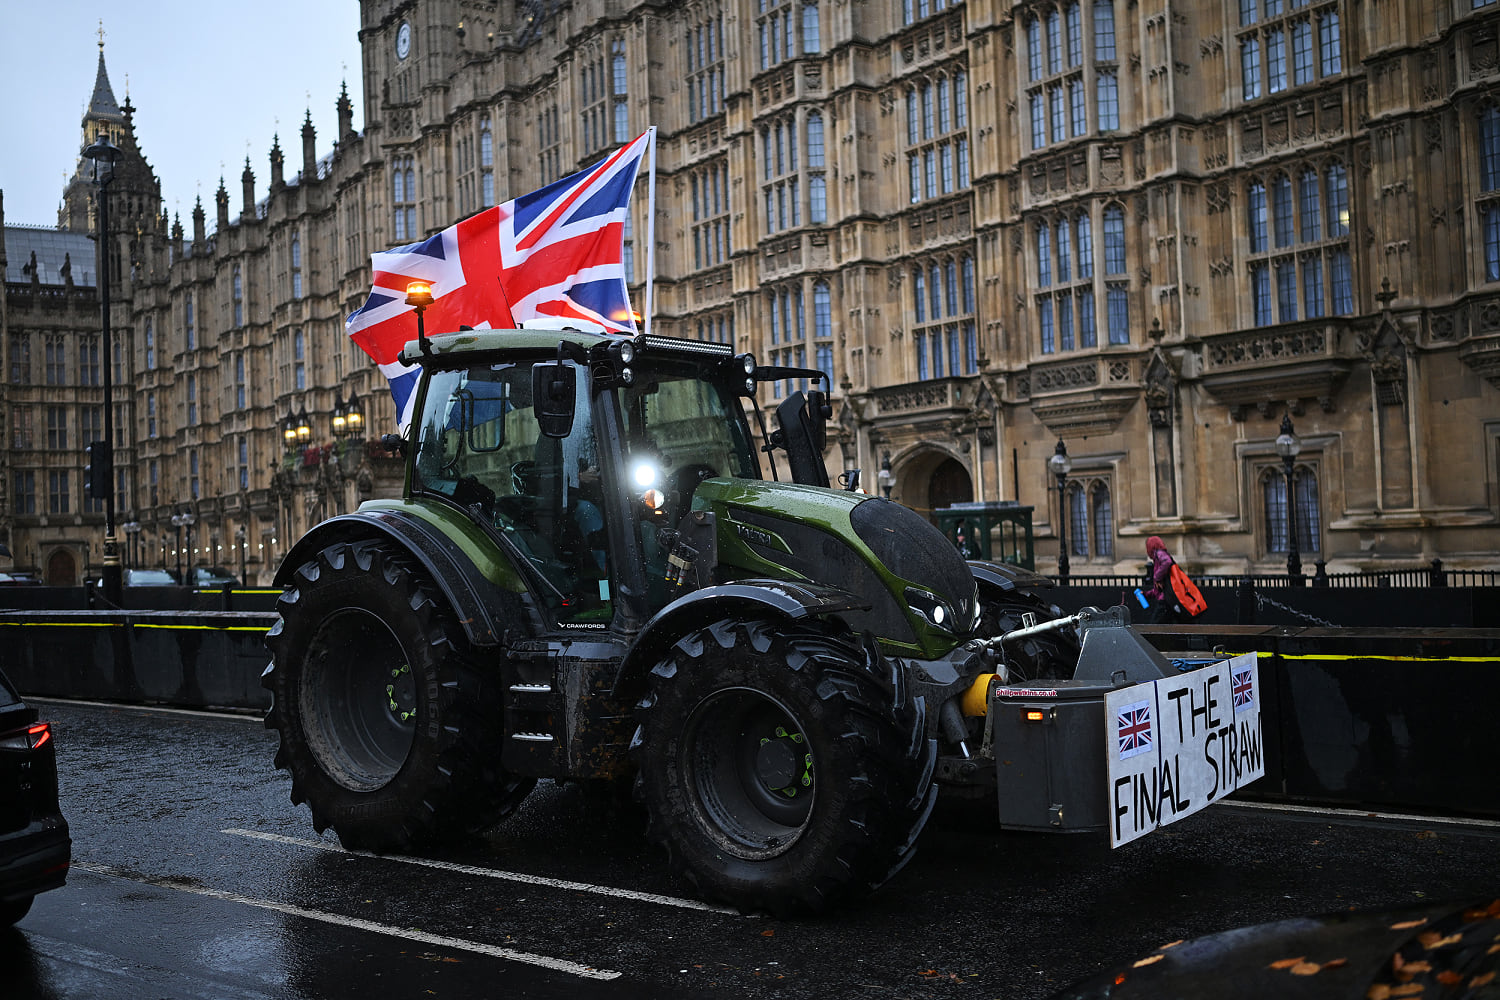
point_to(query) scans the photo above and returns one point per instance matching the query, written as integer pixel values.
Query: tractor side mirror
(819, 412)
(554, 393)
(800, 433)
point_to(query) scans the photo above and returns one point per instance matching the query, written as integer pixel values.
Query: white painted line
(555, 883)
(409, 933)
(226, 714)
(1485, 824)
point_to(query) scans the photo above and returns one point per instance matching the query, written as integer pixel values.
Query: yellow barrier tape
(1373, 656)
(210, 628)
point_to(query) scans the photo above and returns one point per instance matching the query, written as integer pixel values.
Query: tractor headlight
(933, 609)
(627, 352)
(644, 474)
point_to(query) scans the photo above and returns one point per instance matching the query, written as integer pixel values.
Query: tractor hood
(921, 593)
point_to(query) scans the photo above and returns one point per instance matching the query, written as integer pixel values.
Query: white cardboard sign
(1180, 743)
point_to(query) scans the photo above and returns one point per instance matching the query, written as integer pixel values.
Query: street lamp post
(239, 536)
(1289, 446)
(177, 543)
(102, 151)
(1060, 465)
(132, 529)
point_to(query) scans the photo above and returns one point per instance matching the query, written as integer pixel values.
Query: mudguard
(482, 608)
(776, 598)
(1008, 577)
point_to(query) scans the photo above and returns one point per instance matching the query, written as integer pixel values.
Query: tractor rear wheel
(780, 772)
(389, 732)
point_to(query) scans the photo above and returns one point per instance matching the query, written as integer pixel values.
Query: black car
(35, 849)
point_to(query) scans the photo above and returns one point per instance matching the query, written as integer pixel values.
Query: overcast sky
(204, 77)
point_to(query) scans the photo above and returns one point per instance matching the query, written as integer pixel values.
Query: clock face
(403, 40)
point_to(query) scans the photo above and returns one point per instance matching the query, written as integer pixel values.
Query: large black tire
(391, 734)
(780, 772)
(1050, 655)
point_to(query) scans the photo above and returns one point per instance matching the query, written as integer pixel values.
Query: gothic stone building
(1149, 228)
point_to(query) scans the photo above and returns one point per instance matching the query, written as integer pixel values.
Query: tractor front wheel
(780, 773)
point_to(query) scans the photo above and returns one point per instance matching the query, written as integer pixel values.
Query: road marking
(226, 714)
(1488, 824)
(410, 933)
(555, 883)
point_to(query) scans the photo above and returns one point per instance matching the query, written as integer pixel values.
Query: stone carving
(1161, 388)
(1055, 378)
(1260, 346)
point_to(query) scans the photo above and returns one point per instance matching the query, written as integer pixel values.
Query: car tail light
(29, 738)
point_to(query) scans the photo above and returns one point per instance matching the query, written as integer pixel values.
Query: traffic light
(99, 470)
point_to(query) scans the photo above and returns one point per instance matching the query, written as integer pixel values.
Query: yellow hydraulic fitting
(976, 700)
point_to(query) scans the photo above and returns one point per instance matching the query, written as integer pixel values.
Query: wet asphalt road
(195, 877)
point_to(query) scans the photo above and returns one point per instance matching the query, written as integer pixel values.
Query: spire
(278, 178)
(103, 102)
(247, 182)
(346, 111)
(221, 199)
(309, 150)
(200, 232)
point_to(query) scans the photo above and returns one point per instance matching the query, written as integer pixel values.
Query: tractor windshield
(682, 430)
(479, 444)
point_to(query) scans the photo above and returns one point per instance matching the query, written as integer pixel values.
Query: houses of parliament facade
(1148, 229)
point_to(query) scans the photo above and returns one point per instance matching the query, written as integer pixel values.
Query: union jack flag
(1242, 686)
(1133, 726)
(557, 252)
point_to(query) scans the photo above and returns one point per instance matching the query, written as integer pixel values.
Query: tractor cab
(582, 454)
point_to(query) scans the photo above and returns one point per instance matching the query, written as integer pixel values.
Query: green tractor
(588, 576)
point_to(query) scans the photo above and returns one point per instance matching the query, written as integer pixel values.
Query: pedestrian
(1163, 610)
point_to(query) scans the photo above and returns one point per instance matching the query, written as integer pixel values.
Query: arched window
(1078, 520)
(811, 39)
(237, 293)
(1114, 240)
(1102, 520)
(1043, 255)
(296, 266)
(1281, 210)
(1489, 180)
(1309, 513)
(1257, 219)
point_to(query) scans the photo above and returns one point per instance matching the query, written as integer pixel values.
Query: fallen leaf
(1411, 969)
(1334, 963)
(1306, 969)
(1492, 949)
(1170, 944)
(1379, 991)
(1440, 942)
(1286, 963)
(1409, 990)
(1483, 980)
(769, 932)
(1149, 960)
(1449, 978)
(1407, 925)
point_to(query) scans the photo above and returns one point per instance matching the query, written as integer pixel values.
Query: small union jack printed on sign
(1133, 726)
(1242, 685)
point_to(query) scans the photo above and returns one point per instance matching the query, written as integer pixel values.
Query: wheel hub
(782, 763)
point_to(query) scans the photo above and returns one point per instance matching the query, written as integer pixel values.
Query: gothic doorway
(62, 569)
(950, 484)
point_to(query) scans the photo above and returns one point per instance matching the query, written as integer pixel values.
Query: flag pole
(650, 228)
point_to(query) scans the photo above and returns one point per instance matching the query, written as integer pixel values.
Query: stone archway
(62, 569)
(949, 484)
(928, 477)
